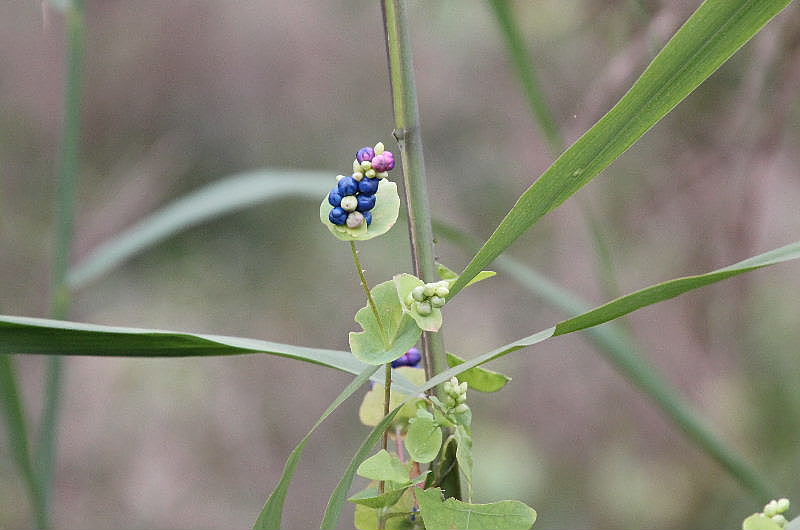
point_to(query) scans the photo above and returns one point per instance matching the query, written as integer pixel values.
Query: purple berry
(338, 216)
(365, 203)
(383, 163)
(334, 198)
(368, 217)
(413, 356)
(368, 186)
(348, 186)
(365, 153)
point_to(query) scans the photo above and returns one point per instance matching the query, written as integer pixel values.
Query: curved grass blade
(616, 345)
(272, 513)
(709, 38)
(330, 521)
(214, 200)
(58, 337)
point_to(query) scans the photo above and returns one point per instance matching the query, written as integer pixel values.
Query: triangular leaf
(759, 521)
(452, 513)
(384, 466)
(424, 439)
(479, 379)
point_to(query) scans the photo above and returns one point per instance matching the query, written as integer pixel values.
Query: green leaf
(464, 456)
(384, 215)
(709, 38)
(424, 439)
(451, 513)
(759, 521)
(227, 195)
(335, 504)
(451, 276)
(368, 345)
(372, 498)
(398, 516)
(371, 410)
(479, 379)
(405, 283)
(272, 513)
(670, 289)
(384, 466)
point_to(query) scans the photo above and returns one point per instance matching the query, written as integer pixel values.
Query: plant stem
(409, 138)
(370, 300)
(65, 226)
(17, 426)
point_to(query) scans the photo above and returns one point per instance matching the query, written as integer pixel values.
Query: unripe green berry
(771, 508)
(437, 301)
(339, 177)
(449, 402)
(418, 293)
(366, 164)
(463, 387)
(462, 398)
(448, 387)
(424, 308)
(356, 166)
(783, 505)
(379, 148)
(349, 203)
(359, 176)
(382, 174)
(354, 219)
(779, 519)
(461, 409)
(409, 300)
(429, 290)
(454, 381)
(442, 291)
(370, 173)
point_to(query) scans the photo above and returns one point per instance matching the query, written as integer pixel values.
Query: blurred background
(183, 93)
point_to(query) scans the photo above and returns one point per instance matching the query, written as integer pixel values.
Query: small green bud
(429, 290)
(424, 308)
(454, 381)
(771, 508)
(437, 301)
(366, 164)
(781, 520)
(461, 409)
(448, 387)
(356, 166)
(379, 148)
(349, 203)
(418, 293)
(783, 505)
(442, 291)
(382, 174)
(409, 300)
(463, 387)
(449, 402)
(370, 173)
(359, 176)
(462, 398)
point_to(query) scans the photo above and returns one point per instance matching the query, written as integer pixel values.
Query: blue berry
(334, 198)
(338, 216)
(413, 356)
(368, 217)
(365, 203)
(365, 153)
(368, 186)
(348, 186)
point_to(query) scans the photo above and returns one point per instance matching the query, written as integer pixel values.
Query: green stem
(65, 228)
(370, 300)
(17, 427)
(409, 138)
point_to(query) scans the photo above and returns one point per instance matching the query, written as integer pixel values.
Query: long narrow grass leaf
(272, 513)
(224, 196)
(709, 38)
(333, 511)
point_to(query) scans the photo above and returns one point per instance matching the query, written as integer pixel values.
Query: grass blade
(16, 425)
(272, 513)
(709, 38)
(214, 200)
(330, 521)
(57, 337)
(671, 289)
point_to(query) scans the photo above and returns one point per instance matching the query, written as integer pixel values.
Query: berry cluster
(456, 396)
(411, 358)
(775, 510)
(425, 298)
(353, 198)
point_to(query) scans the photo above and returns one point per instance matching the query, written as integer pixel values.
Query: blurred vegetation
(181, 94)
